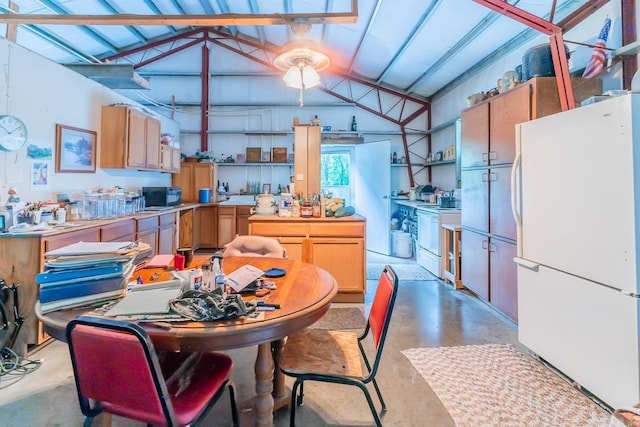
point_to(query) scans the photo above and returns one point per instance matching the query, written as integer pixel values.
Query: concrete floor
(427, 314)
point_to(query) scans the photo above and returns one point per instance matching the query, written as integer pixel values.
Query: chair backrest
(254, 246)
(381, 310)
(115, 364)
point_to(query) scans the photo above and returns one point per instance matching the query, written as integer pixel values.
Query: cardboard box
(254, 155)
(279, 154)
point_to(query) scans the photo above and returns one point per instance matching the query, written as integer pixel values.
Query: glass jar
(316, 206)
(306, 209)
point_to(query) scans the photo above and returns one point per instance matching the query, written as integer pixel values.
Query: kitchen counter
(82, 224)
(420, 205)
(327, 242)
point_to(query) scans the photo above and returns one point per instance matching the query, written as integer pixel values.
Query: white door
(372, 191)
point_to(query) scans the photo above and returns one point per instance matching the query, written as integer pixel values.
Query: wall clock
(13, 133)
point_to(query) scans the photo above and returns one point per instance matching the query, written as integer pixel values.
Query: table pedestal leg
(280, 396)
(264, 386)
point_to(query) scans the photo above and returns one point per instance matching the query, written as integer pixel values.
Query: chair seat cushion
(322, 351)
(194, 379)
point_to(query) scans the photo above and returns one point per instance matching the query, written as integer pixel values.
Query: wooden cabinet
(169, 159)
(122, 231)
(487, 152)
(188, 229)
(167, 233)
(60, 240)
(194, 176)
(147, 232)
(242, 219)
(207, 235)
(336, 245)
(307, 160)
(226, 224)
(129, 139)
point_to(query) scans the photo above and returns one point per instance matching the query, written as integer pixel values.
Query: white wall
(42, 93)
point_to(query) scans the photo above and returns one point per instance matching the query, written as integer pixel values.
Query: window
(336, 163)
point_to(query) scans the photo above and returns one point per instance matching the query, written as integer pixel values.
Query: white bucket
(402, 245)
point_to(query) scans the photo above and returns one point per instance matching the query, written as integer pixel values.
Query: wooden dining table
(304, 295)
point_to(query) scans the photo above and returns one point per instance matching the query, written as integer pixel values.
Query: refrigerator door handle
(515, 190)
(526, 263)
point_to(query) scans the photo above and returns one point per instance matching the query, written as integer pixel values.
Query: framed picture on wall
(75, 149)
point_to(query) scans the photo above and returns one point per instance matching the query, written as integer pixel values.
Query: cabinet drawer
(55, 242)
(147, 223)
(351, 229)
(124, 230)
(278, 229)
(166, 219)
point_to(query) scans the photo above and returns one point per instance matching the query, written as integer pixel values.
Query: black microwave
(162, 196)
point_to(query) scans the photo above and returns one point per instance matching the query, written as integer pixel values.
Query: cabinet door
(475, 136)
(208, 224)
(203, 178)
(242, 219)
(184, 180)
(187, 229)
(167, 234)
(503, 279)
(295, 247)
(166, 158)
(175, 160)
(501, 220)
(507, 110)
(475, 199)
(331, 253)
(136, 147)
(226, 224)
(152, 141)
(147, 232)
(475, 263)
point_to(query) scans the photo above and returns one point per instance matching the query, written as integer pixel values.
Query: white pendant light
(301, 62)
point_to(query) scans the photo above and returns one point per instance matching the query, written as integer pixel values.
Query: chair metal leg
(300, 399)
(375, 385)
(292, 415)
(363, 387)
(234, 407)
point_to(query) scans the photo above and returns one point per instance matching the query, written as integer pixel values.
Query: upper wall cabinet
(129, 139)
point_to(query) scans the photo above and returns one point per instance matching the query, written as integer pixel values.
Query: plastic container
(402, 244)
(285, 207)
(204, 195)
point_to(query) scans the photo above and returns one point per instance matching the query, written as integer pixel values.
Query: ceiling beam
(224, 19)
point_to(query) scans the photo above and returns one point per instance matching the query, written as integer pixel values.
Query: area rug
(497, 386)
(341, 318)
(403, 271)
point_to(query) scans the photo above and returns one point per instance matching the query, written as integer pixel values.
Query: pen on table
(265, 308)
(265, 304)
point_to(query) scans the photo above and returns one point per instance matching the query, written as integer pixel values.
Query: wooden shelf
(255, 164)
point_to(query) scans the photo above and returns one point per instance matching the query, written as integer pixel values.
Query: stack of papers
(147, 299)
(84, 273)
(243, 277)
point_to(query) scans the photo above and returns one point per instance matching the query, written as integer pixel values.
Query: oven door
(428, 231)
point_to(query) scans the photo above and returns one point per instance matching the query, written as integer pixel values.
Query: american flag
(598, 57)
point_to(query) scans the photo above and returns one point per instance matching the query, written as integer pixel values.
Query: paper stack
(86, 272)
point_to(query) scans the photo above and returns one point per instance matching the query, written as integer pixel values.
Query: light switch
(300, 177)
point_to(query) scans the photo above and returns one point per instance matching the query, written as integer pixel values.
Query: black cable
(13, 368)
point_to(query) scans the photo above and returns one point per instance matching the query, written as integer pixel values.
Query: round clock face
(13, 133)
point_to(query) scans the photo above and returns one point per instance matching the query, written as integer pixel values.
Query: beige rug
(403, 271)
(341, 318)
(497, 386)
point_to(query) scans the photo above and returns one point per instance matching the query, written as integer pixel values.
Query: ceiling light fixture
(301, 61)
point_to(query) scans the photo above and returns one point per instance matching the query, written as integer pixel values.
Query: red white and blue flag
(598, 57)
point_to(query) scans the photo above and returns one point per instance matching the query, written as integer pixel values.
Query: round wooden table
(304, 295)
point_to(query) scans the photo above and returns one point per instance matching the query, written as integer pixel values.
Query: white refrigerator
(576, 201)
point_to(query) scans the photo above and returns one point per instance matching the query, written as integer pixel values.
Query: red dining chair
(117, 371)
(337, 356)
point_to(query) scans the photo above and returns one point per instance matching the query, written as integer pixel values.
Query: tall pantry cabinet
(488, 149)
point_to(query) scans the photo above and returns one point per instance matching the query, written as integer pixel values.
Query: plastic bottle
(217, 273)
(354, 124)
(295, 211)
(315, 206)
(207, 278)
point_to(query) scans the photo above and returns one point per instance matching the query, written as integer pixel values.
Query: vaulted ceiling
(417, 48)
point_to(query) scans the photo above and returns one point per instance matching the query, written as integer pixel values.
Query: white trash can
(402, 244)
